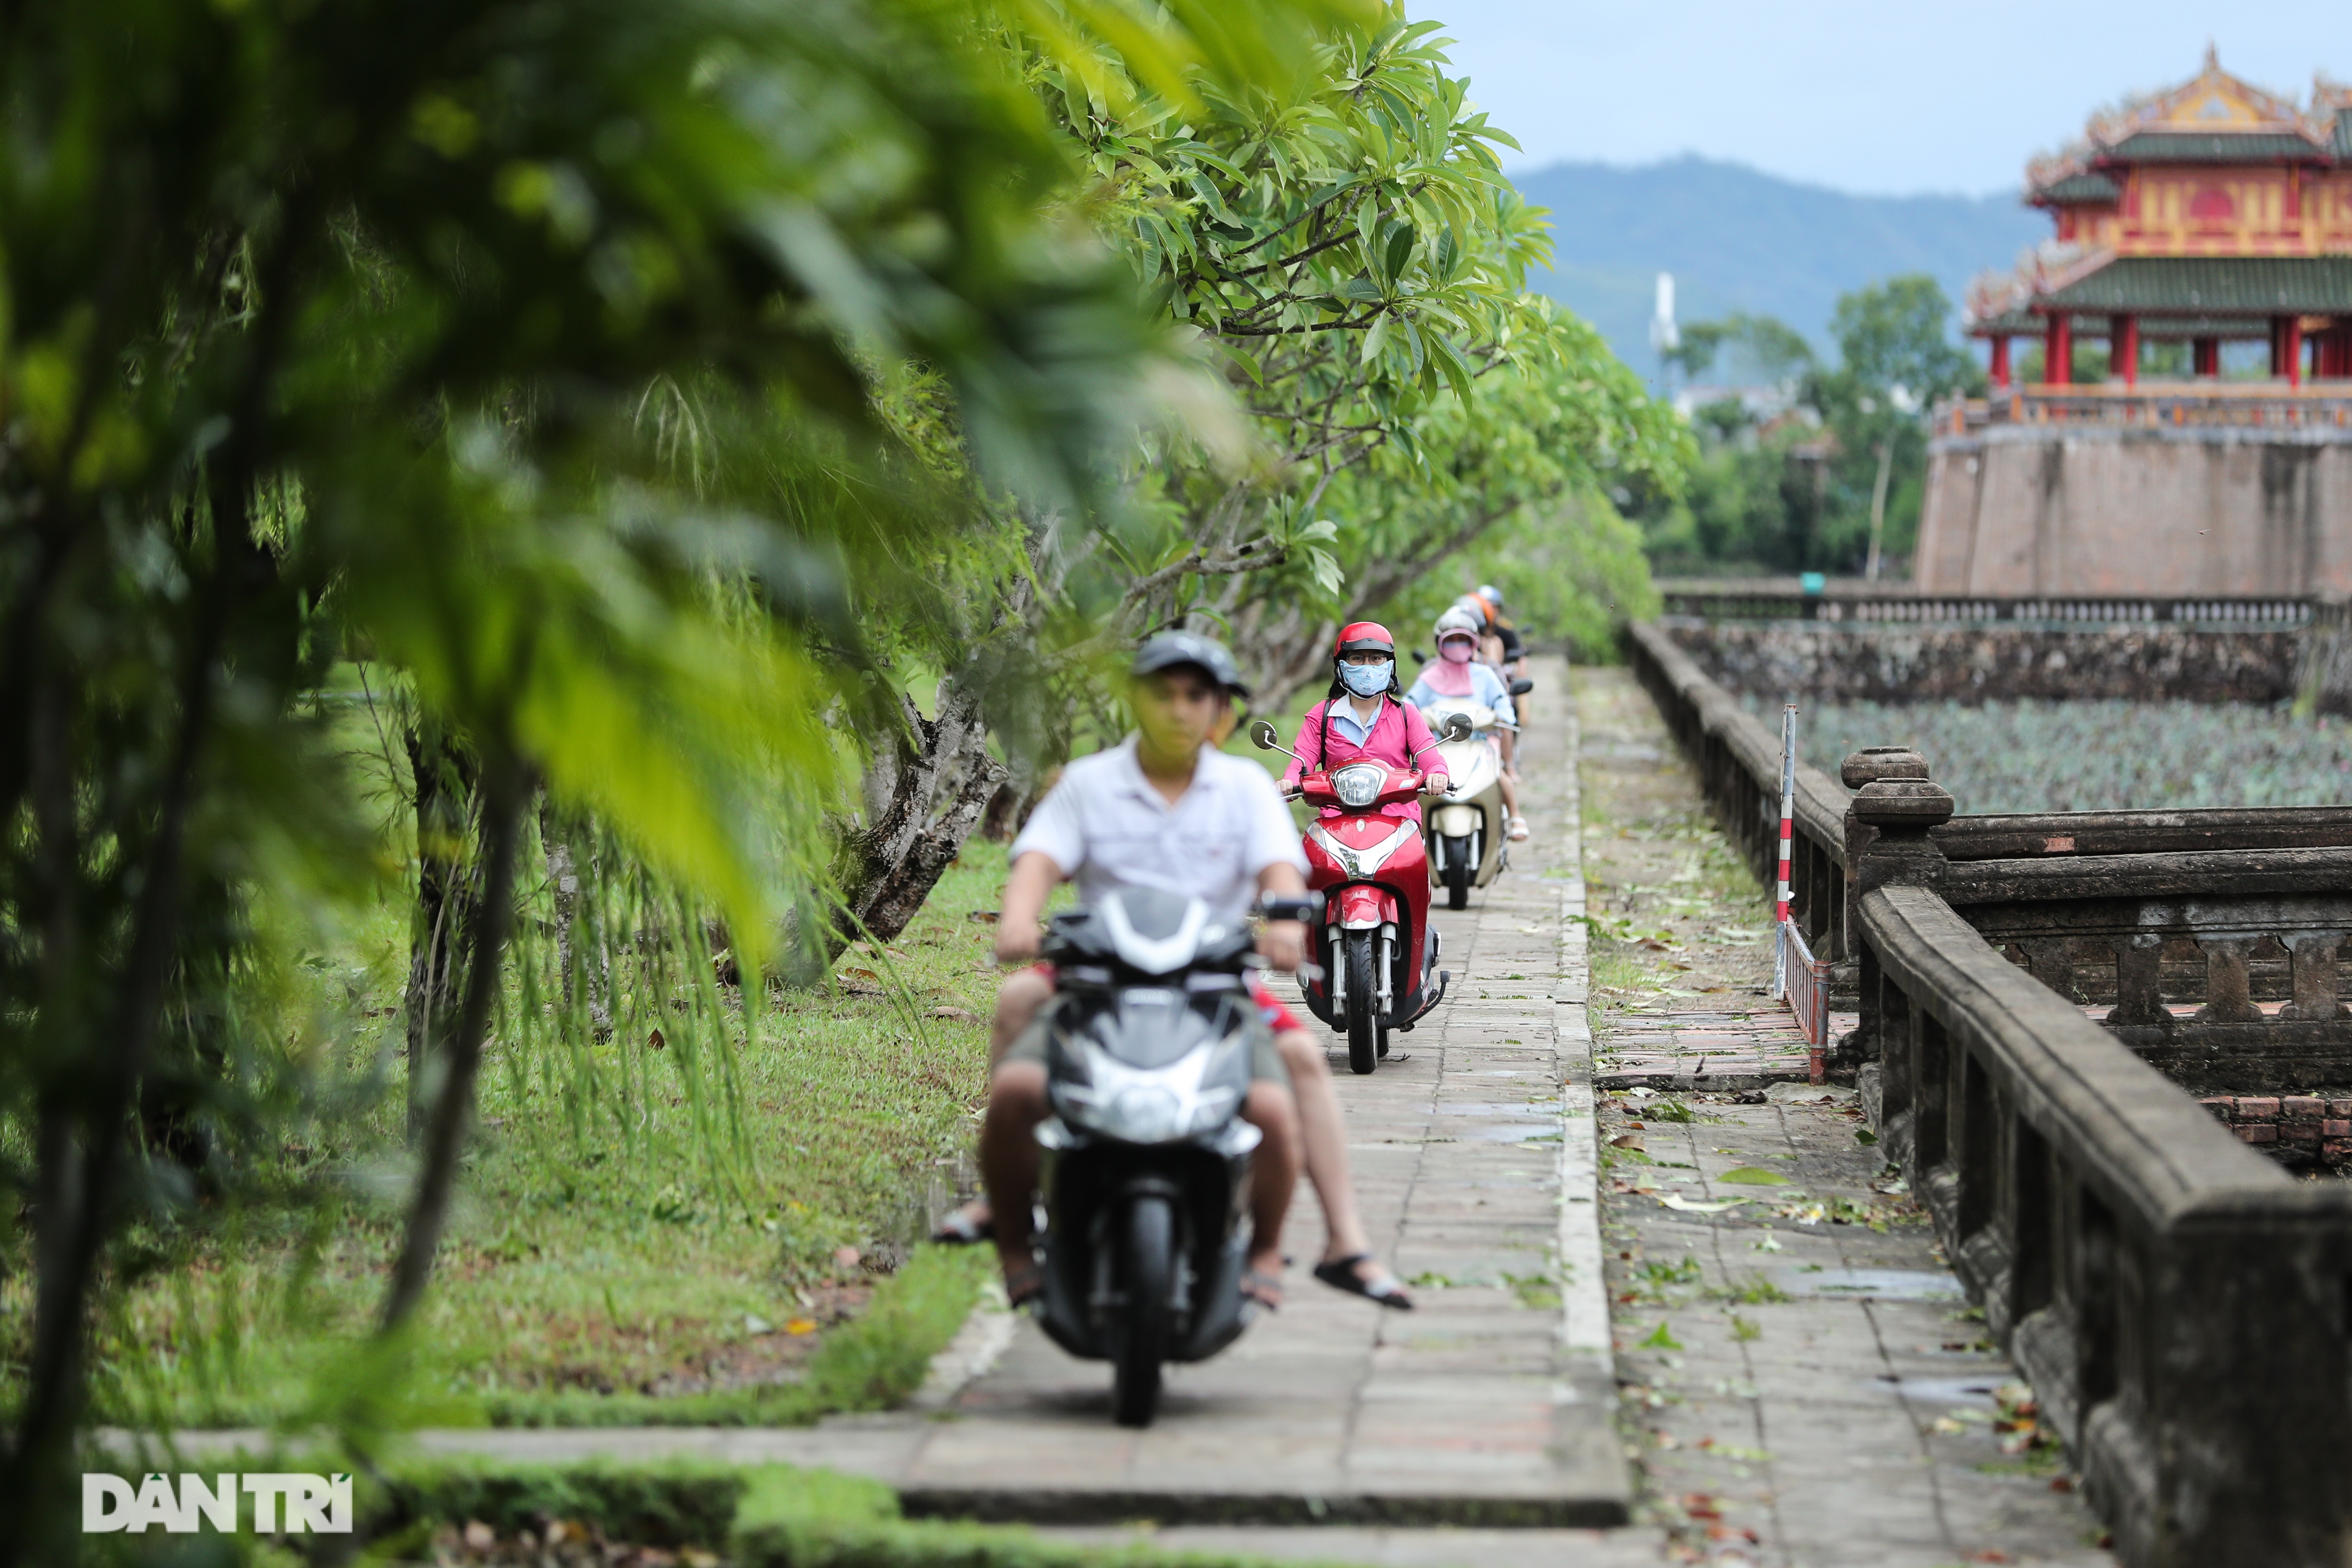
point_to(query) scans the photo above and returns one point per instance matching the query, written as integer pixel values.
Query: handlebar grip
(1305, 908)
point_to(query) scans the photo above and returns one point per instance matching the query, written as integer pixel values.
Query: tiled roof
(2079, 188)
(2233, 286)
(2344, 134)
(2177, 147)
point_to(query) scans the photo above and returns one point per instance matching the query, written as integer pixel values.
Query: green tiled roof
(2232, 286)
(2198, 147)
(2344, 134)
(2082, 188)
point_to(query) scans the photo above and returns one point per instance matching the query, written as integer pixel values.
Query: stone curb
(1588, 1362)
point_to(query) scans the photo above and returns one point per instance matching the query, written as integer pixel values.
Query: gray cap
(1166, 650)
(1492, 595)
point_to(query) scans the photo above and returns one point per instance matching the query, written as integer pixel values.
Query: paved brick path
(1744, 1049)
(1472, 1409)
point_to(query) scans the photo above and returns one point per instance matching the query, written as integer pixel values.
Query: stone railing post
(1887, 842)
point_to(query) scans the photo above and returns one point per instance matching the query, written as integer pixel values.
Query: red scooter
(1374, 948)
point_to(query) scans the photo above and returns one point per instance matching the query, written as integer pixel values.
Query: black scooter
(1147, 1160)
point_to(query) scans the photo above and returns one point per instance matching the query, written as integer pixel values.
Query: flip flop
(1024, 1283)
(1383, 1288)
(960, 1229)
(1264, 1289)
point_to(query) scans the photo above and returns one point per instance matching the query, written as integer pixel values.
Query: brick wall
(2295, 1129)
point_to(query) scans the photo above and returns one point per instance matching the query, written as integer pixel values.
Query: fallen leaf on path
(1675, 1200)
(1627, 1140)
(1753, 1176)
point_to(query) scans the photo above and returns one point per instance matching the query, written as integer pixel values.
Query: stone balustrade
(2034, 992)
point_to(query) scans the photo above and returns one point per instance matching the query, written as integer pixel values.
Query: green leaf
(1396, 250)
(1753, 1176)
(1376, 338)
(1661, 1338)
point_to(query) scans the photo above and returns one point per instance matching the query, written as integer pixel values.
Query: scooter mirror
(1261, 735)
(1457, 726)
(1522, 687)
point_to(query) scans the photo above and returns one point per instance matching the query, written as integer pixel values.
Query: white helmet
(1457, 619)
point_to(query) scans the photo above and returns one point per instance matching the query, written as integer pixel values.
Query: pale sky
(1885, 98)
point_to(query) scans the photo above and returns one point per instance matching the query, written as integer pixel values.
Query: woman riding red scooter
(1365, 719)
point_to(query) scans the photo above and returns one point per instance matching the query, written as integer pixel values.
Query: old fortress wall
(2123, 510)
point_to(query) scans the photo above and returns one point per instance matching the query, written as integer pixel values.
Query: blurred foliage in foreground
(483, 487)
(2037, 756)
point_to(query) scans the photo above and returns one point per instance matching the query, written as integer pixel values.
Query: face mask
(1455, 651)
(1367, 680)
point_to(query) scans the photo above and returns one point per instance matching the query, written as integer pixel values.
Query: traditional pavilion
(2210, 213)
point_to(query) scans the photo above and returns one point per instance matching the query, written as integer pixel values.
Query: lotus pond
(2041, 756)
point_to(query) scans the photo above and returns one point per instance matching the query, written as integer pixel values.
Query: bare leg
(1274, 1175)
(1008, 1158)
(1323, 1139)
(1018, 1000)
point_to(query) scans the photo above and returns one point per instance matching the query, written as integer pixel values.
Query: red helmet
(1364, 637)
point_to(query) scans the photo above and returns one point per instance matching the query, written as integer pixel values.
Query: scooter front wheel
(1458, 872)
(1146, 1264)
(1363, 1003)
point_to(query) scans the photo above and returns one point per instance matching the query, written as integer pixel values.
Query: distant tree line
(1794, 467)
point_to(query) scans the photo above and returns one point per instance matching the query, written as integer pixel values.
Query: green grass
(2039, 755)
(639, 1236)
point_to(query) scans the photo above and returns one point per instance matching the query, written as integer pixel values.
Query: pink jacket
(1399, 735)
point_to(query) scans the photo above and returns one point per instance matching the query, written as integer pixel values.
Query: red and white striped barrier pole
(1788, 809)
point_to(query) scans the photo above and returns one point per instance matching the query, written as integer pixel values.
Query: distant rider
(1459, 676)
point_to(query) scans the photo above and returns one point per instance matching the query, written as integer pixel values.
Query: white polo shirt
(1107, 828)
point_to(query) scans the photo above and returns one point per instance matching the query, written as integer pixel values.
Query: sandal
(962, 1228)
(1264, 1289)
(1518, 829)
(1383, 1288)
(1024, 1283)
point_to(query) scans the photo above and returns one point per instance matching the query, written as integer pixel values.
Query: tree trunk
(924, 795)
(447, 778)
(503, 789)
(595, 990)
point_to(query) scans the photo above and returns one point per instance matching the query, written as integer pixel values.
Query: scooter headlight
(1144, 1113)
(1358, 786)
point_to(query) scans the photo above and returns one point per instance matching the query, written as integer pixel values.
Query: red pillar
(2208, 352)
(2058, 352)
(2123, 348)
(2290, 347)
(2001, 361)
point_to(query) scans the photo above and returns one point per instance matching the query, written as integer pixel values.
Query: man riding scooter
(1167, 810)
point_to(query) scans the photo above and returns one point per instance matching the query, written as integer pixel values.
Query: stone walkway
(1804, 1385)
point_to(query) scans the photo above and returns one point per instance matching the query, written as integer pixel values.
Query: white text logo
(289, 1502)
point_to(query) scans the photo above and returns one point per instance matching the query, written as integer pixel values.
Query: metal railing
(1847, 601)
(2272, 405)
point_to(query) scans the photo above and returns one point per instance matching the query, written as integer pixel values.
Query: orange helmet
(1364, 637)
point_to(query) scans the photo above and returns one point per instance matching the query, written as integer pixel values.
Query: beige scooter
(1465, 827)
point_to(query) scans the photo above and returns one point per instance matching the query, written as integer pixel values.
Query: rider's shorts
(1266, 1059)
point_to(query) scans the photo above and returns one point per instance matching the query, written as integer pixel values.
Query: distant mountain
(1738, 239)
